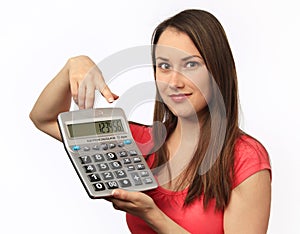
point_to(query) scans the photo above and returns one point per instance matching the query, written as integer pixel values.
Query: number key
(115, 165)
(94, 177)
(120, 174)
(111, 156)
(103, 166)
(107, 175)
(85, 159)
(112, 185)
(99, 186)
(90, 168)
(98, 158)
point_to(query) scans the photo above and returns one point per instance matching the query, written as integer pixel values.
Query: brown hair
(210, 39)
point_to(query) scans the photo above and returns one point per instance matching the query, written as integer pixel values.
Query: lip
(180, 97)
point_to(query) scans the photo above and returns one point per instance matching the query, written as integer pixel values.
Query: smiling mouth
(179, 97)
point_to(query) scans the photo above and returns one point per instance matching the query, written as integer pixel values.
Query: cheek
(202, 83)
(161, 85)
(205, 87)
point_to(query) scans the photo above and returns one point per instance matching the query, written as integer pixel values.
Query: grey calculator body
(103, 152)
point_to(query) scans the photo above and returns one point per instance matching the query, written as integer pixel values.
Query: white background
(40, 191)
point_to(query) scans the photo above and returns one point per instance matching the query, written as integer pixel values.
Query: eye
(192, 64)
(164, 66)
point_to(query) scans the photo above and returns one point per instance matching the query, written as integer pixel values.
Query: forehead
(173, 42)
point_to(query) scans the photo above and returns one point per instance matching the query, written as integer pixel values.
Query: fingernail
(110, 99)
(115, 193)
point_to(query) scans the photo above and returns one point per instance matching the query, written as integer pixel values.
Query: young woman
(213, 177)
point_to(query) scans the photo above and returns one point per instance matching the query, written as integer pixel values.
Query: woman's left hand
(135, 203)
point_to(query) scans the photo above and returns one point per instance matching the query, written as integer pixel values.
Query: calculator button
(127, 142)
(96, 147)
(120, 174)
(112, 185)
(85, 159)
(140, 166)
(94, 177)
(136, 178)
(126, 160)
(136, 159)
(112, 145)
(103, 166)
(125, 183)
(98, 158)
(115, 165)
(104, 146)
(111, 156)
(144, 173)
(107, 175)
(132, 152)
(99, 186)
(76, 147)
(120, 144)
(122, 154)
(148, 181)
(86, 148)
(90, 168)
(130, 168)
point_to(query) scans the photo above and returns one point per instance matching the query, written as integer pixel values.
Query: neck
(182, 145)
(186, 133)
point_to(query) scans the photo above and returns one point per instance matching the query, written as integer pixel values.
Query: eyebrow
(183, 59)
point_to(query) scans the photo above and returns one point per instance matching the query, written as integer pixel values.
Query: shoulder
(140, 132)
(250, 157)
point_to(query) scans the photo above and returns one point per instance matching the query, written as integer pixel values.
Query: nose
(176, 80)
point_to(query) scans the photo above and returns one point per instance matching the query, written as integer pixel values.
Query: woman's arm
(79, 78)
(249, 207)
(141, 205)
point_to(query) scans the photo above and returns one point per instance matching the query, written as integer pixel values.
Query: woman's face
(182, 78)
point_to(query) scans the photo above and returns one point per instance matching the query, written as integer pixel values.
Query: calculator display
(95, 128)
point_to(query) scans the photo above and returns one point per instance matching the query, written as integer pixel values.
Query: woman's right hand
(78, 79)
(85, 77)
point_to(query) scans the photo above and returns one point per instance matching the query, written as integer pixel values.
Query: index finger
(74, 90)
(108, 94)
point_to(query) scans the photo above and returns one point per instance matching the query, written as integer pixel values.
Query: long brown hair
(210, 39)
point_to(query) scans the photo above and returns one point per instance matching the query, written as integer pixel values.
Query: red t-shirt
(250, 157)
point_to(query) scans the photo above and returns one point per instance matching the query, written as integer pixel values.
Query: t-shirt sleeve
(142, 135)
(250, 157)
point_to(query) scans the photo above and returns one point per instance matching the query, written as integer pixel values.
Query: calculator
(103, 152)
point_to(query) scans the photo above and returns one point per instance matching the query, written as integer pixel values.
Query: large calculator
(103, 152)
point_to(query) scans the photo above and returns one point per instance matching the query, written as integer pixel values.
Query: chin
(187, 113)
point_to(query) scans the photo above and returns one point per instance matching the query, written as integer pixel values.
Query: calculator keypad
(112, 165)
